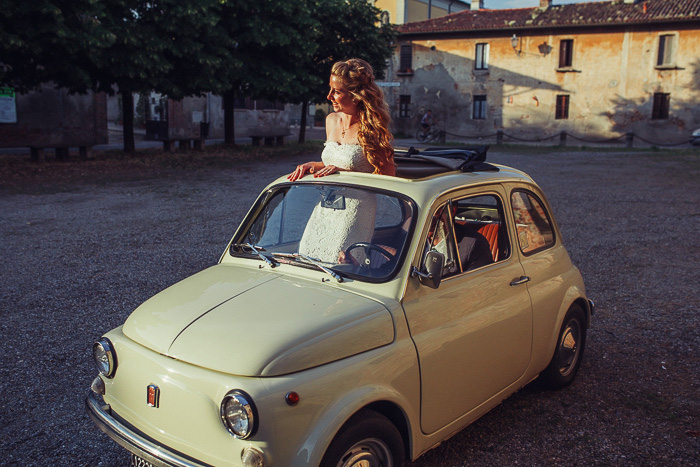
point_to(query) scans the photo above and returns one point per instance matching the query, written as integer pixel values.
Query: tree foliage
(47, 40)
(350, 29)
(272, 49)
(269, 36)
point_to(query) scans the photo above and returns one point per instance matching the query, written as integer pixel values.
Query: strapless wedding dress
(345, 215)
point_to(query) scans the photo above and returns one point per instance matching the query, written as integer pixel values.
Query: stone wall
(53, 118)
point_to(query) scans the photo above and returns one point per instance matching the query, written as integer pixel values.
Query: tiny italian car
(352, 320)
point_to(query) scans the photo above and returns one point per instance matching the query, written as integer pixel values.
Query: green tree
(126, 46)
(273, 37)
(272, 49)
(201, 51)
(171, 46)
(49, 41)
(350, 29)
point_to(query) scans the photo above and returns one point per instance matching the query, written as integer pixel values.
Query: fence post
(562, 138)
(630, 140)
(499, 137)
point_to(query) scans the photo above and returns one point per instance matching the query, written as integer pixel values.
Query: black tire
(420, 135)
(565, 363)
(368, 438)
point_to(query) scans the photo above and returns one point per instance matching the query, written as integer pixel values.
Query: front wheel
(569, 351)
(367, 440)
(421, 135)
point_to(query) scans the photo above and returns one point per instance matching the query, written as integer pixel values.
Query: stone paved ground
(78, 259)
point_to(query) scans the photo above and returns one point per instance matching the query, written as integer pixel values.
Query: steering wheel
(368, 248)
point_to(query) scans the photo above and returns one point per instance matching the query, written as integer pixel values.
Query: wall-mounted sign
(8, 107)
(388, 84)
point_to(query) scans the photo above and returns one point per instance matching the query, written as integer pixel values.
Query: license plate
(136, 461)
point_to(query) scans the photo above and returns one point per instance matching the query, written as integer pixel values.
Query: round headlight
(105, 357)
(238, 414)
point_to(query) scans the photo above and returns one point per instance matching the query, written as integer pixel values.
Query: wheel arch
(398, 417)
(588, 308)
(575, 295)
(344, 410)
(542, 353)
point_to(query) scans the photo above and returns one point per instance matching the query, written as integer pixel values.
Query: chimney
(545, 3)
(477, 4)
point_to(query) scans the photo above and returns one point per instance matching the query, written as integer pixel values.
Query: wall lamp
(514, 41)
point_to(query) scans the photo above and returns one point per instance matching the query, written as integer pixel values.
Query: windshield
(354, 232)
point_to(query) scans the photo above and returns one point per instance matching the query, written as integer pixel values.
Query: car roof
(425, 174)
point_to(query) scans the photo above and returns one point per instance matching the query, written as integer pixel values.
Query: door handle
(520, 280)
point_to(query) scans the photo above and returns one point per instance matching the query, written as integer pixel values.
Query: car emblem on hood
(152, 395)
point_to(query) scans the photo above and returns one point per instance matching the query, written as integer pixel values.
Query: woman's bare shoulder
(332, 118)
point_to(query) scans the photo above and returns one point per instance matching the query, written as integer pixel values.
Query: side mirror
(434, 263)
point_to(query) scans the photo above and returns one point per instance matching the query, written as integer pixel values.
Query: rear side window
(533, 224)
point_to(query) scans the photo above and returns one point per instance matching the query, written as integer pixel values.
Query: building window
(661, 104)
(404, 104)
(566, 53)
(666, 50)
(481, 62)
(406, 59)
(562, 112)
(479, 111)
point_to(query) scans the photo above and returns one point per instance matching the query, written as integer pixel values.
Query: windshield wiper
(313, 261)
(256, 250)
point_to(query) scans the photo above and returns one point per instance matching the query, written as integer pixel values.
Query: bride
(357, 139)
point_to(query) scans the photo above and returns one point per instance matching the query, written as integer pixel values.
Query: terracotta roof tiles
(612, 12)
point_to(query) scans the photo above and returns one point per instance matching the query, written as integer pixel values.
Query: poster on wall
(8, 107)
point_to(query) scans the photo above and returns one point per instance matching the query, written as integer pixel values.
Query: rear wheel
(569, 351)
(367, 440)
(421, 135)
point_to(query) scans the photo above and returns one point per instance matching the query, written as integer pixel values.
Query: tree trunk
(128, 122)
(229, 137)
(302, 125)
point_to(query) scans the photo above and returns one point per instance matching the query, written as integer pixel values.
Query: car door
(473, 333)
(545, 262)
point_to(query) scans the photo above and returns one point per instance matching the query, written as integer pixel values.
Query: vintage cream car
(317, 342)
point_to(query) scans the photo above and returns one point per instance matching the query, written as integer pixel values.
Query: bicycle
(432, 134)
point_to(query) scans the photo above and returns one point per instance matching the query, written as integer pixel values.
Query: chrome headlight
(238, 414)
(105, 357)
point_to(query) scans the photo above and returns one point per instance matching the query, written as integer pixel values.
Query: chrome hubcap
(367, 453)
(568, 347)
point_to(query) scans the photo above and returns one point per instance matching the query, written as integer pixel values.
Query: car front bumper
(132, 440)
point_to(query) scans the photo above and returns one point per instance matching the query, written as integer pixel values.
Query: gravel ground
(76, 262)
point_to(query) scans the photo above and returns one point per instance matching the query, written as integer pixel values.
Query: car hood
(258, 323)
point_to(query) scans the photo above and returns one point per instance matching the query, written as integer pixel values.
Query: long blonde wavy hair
(357, 78)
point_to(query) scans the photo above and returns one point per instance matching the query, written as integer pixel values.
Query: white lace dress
(346, 215)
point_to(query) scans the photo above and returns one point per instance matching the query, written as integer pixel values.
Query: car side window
(532, 222)
(480, 231)
(470, 233)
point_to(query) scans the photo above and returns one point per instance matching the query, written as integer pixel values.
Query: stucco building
(594, 70)
(409, 11)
